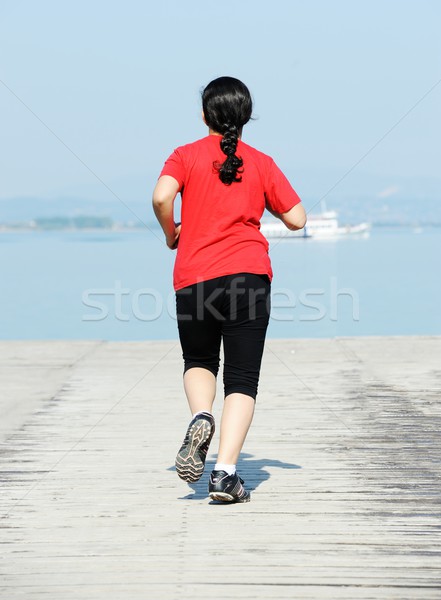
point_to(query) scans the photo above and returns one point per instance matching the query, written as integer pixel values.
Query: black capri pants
(234, 309)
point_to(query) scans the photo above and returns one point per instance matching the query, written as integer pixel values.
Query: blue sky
(119, 84)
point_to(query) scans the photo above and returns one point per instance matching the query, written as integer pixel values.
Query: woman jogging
(222, 275)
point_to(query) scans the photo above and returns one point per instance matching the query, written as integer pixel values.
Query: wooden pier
(343, 460)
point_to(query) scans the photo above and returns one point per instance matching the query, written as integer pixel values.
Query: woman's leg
(244, 334)
(236, 420)
(200, 389)
(200, 336)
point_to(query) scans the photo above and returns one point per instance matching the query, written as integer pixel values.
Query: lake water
(117, 285)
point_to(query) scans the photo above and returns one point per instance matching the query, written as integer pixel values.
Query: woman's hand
(172, 242)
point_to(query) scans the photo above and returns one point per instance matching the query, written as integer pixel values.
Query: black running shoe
(227, 488)
(190, 460)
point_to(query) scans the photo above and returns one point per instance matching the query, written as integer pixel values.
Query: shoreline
(154, 227)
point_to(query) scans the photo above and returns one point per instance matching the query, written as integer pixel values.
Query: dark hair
(227, 106)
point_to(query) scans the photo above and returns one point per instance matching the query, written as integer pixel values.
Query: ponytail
(233, 165)
(227, 106)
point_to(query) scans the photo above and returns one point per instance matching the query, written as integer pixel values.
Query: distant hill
(358, 197)
(25, 209)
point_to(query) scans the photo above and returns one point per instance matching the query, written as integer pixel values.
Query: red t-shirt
(220, 223)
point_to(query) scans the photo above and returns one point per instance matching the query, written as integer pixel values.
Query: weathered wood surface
(343, 459)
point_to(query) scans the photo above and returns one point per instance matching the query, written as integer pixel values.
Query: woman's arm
(164, 196)
(295, 218)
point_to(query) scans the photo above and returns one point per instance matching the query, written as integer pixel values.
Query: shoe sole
(189, 465)
(224, 497)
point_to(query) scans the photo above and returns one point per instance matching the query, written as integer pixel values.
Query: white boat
(323, 225)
